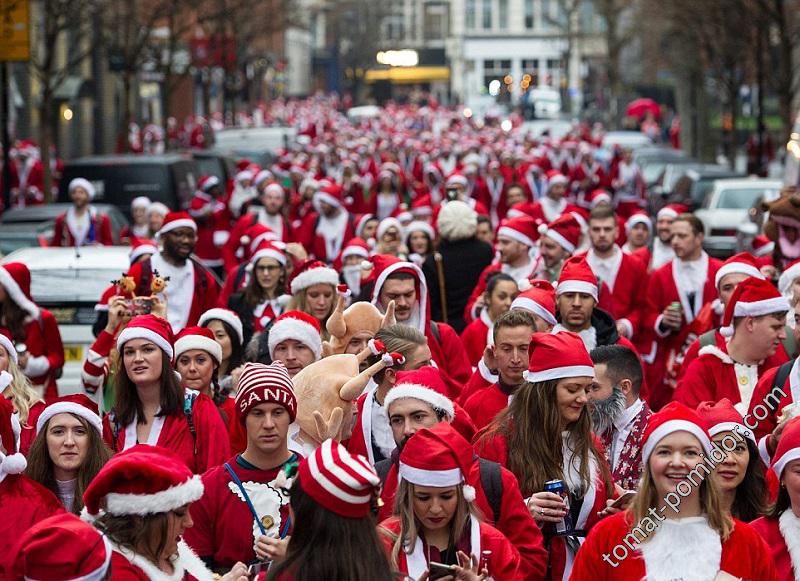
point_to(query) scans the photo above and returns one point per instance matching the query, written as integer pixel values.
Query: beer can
(558, 487)
(675, 306)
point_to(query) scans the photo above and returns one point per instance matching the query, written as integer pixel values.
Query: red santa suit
(224, 529)
(92, 228)
(700, 555)
(475, 337)
(213, 224)
(493, 197)
(693, 352)
(484, 405)
(481, 378)
(771, 399)
(782, 537)
(129, 566)
(209, 446)
(324, 236)
(30, 181)
(629, 188)
(28, 434)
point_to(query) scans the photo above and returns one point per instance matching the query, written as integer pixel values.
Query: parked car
(118, 179)
(726, 207)
(68, 282)
(214, 163)
(258, 144)
(543, 102)
(33, 226)
(691, 189)
(653, 160)
(625, 139)
(553, 128)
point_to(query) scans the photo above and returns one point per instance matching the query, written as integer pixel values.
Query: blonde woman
(313, 287)
(676, 527)
(16, 387)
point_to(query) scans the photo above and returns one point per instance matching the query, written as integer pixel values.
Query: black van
(168, 178)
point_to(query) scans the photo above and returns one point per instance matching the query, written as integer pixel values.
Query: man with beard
(662, 251)
(619, 415)
(558, 242)
(355, 251)
(412, 405)
(324, 231)
(81, 224)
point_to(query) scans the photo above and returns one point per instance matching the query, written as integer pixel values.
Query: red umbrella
(641, 107)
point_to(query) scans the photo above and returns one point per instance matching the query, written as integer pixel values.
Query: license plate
(73, 353)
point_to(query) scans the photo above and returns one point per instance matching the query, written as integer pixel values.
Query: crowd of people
(417, 348)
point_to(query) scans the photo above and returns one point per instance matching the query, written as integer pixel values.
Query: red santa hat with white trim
(537, 297)
(565, 230)
(577, 277)
(11, 461)
(554, 178)
(672, 211)
(206, 183)
(331, 194)
(556, 356)
(299, 326)
(522, 228)
(76, 404)
(742, 263)
(420, 226)
(87, 186)
(15, 278)
(255, 235)
(61, 547)
(360, 222)
(762, 246)
(722, 416)
(424, 384)
(788, 447)
(150, 328)
(175, 220)
(263, 176)
(788, 276)
(276, 188)
(599, 196)
(380, 267)
(638, 217)
(7, 343)
(226, 316)
(312, 272)
(268, 249)
(197, 338)
(141, 247)
(437, 456)
(673, 417)
(456, 179)
(753, 297)
(142, 480)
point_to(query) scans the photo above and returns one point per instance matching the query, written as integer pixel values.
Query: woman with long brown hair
(544, 435)
(15, 386)
(69, 450)
(675, 527)
(313, 287)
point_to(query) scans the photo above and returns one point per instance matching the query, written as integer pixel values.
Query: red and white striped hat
(77, 404)
(299, 326)
(788, 447)
(673, 417)
(151, 328)
(556, 356)
(577, 277)
(522, 228)
(565, 230)
(742, 263)
(142, 480)
(312, 272)
(753, 297)
(261, 383)
(175, 220)
(538, 297)
(338, 481)
(226, 316)
(722, 416)
(197, 338)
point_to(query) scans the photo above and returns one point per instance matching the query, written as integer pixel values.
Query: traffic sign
(15, 42)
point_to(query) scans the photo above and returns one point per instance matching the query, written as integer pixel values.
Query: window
(529, 17)
(502, 14)
(435, 21)
(547, 15)
(394, 27)
(470, 16)
(486, 17)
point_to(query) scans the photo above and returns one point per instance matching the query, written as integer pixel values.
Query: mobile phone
(439, 570)
(139, 305)
(254, 569)
(624, 499)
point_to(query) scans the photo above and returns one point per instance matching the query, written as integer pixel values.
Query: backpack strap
(790, 344)
(708, 338)
(437, 334)
(783, 374)
(246, 498)
(492, 483)
(188, 405)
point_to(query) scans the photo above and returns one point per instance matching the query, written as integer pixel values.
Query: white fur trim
(716, 352)
(327, 198)
(781, 463)
(686, 549)
(68, 407)
(415, 391)
(85, 184)
(12, 464)
(269, 253)
(298, 330)
(438, 478)
(163, 501)
(420, 226)
(469, 493)
(789, 525)
(456, 180)
(225, 316)
(129, 333)
(15, 292)
(760, 308)
(670, 427)
(638, 219)
(175, 224)
(190, 342)
(736, 427)
(37, 366)
(321, 275)
(355, 250)
(184, 562)
(422, 297)
(666, 211)
(764, 250)
(140, 251)
(11, 351)
(535, 308)
(559, 373)
(5, 380)
(577, 286)
(516, 235)
(737, 268)
(563, 242)
(787, 278)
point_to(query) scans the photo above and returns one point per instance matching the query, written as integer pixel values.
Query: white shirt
(381, 430)
(606, 269)
(551, 208)
(690, 275)
(518, 272)
(623, 424)
(179, 291)
(662, 254)
(588, 336)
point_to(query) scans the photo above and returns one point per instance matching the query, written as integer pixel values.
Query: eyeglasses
(269, 268)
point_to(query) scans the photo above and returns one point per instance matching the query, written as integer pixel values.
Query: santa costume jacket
(743, 555)
(484, 405)
(97, 231)
(45, 351)
(782, 536)
(324, 239)
(129, 566)
(213, 227)
(771, 399)
(475, 337)
(505, 559)
(481, 378)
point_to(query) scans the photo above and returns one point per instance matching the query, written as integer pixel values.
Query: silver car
(68, 282)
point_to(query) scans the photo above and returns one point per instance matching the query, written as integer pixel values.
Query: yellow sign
(15, 44)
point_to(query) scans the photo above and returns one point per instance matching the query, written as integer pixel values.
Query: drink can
(675, 306)
(558, 487)
(486, 561)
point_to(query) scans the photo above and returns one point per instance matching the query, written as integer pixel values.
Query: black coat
(463, 262)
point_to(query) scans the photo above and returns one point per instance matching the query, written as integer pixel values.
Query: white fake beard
(604, 412)
(352, 277)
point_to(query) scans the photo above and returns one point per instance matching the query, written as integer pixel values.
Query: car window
(739, 198)
(71, 285)
(209, 166)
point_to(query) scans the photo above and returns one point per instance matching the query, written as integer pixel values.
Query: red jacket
(475, 337)
(99, 231)
(45, 352)
(484, 405)
(309, 236)
(769, 529)
(771, 399)
(128, 566)
(213, 227)
(480, 379)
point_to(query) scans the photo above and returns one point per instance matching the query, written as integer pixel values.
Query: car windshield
(209, 166)
(71, 285)
(739, 198)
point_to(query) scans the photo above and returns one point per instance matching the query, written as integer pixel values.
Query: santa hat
(307, 182)
(267, 249)
(424, 384)
(457, 221)
(77, 404)
(158, 208)
(672, 211)
(140, 247)
(242, 164)
(762, 246)
(555, 356)
(140, 202)
(524, 209)
(12, 462)
(62, 547)
(16, 279)
(261, 383)
(332, 194)
(175, 220)
(420, 226)
(254, 235)
(360, 221)
(599, 196)
(673, 417)
(299, 326)
(638, 217)
(150, 328)
(82, 183)
(276, 188)
(142, 480)
(456, 179)
(355, 247)
(226, 316)
(340, 482)
(312, 272)
(437, 456)
(387, 223)
(722, 416)
(577, 277)
(791, 272)
(243, 175)
(753, 297)
(788, 447)
(197, 338)
(263, 176)
(382, 266)
(742, 263)
(554, 178)
(7, 343)
(206, 183)
(565, 230)
(422, 206)
(538, 297)
(523, 229)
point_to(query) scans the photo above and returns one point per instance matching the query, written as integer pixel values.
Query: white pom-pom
(14, 464)
(542, 229)
(245, 240)
(726, 331)
(469, 493)
(524, 285)
(366, 265)
(387, 359)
